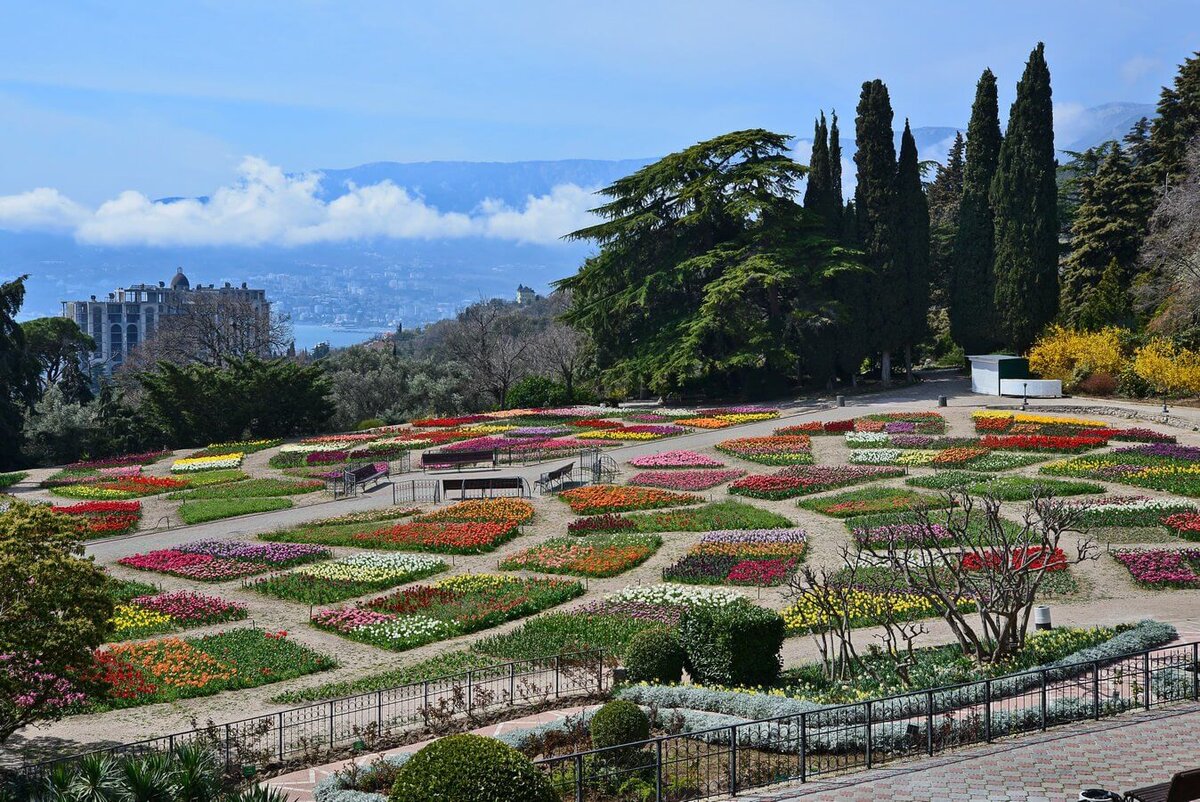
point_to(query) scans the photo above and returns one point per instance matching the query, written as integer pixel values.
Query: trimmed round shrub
(370, 423)
(654, 656)
(735, 645)
(619, 722)
(471, 768)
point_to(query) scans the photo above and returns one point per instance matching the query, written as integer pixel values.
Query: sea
(309, 334)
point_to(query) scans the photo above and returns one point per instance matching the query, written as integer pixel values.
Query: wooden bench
(487, 485)
(548, 481)
(1183, 787)
(456, 459)
(358, 477)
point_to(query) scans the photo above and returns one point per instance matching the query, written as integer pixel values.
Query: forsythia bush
(1162, 365)
(1064, 353)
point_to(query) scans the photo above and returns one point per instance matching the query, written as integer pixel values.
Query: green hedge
(655, 656)
(734, 645)
(471, 768)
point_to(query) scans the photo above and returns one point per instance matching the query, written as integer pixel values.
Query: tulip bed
(902, 423)
(685, 480)
(800, 480)
(103, 488)
(993, 421)
(1157, 466)
(219, 560)
(1184, 524)
(676, 459)
(1131, 511)
(144, 458)
(495, 510)
(180, 668)
(761, 557)
(348, 577)
(1162, 568)
(591, 555)
(1005, 488)
(158, 613)
(867, 607)
(1061, 443)
(873, 500)
(103, 518)
(817, 428)
(710, 517)
(775, 450)
(877, 532)
(238, 446)
(473, 537)
(211, 462)
(938, 458)
(455, 606)
(599, 499)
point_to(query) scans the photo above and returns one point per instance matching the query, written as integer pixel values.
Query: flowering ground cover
(599, 499)
(877, 532)
(1162, 568)
(180, 668)
(496, 510)
(1157, 466)
(761, 557)
(348, 577)
(158, 613)
(119, 488)
(800, 480)
(775, 450)
(710, 517)
(1129, 511)
(455, 606)
(252, 488)
(872, 500)
(601, 555)
(676, 459)
(210, 462)
(103, 518)
(816, 427)
(703, 479)
(1005, 488)
(219, 560)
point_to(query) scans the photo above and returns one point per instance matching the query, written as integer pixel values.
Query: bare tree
(493, 345)
(1170, 254)
(212, 329)
(970, 556)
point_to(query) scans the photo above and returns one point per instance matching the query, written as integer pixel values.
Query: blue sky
(170, 98)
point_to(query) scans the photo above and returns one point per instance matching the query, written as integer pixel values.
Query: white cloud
(1138, 67)
(1071, 121)
(267, 206)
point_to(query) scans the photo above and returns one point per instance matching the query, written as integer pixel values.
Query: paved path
(1118, 754)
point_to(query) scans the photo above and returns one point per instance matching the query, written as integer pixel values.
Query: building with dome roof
(130, 315)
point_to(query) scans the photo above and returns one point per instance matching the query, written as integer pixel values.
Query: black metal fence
(416, 491)
(725, 759)
(318, 732)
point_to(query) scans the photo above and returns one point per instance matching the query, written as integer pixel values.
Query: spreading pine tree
(972, 322)
(911, 246)
(1114, 209)
(1178, 121)
(875, 206)
(1024, 202)
(945, 197)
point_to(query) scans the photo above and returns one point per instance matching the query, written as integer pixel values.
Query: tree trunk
(885, 372)
(908, 373)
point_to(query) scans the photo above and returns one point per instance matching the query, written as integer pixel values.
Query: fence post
(425, 694)
(578, 777)
(279, 726)
(600, 669)
(1146, 679)
(470, 685)
(556, 663)
(868, 739)
(733, 760)
(803, 747)
(1196, 670)
(378, 713)
(929, 722)
(228, 743)
(1096, 689)
(987, 711)
(1043, 695)
(331, 724)
(512, 684)
(658, 770)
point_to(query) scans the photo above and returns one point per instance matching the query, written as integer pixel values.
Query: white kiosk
(1004, 374)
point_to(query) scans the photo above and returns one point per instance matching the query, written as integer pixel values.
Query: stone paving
(1117, 754)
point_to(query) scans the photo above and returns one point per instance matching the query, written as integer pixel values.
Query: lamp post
(1024, 396)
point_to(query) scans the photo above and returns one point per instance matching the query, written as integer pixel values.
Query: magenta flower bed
(1162, 568)
(880, 537)
(349, 618)
(275, 555)
(188, 607)
(202, 567)
(676, 459)
(685, 480)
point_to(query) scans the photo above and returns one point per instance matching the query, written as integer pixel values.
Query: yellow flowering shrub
(1166, 368)
(1063, 353)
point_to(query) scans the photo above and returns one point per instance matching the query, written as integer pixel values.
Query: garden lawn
(761, 557)
(590, 555)
(710, 517)
(872, 500)
(356, 575)
(181, 668)
(214, 509)
(252, 488)
(455, 606)
(599, 499)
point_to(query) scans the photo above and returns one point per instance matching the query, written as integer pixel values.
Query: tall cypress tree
(835, 179)
(911, 244)
(816, 190)
(1178, 120)
(1025, 203)
(972, 322)
(875, 206)
(945, 197)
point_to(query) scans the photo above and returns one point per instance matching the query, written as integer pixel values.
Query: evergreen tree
(1108, 303)
(1024, 199)
(1137, 144)
(945, 198)
(972, 319)
(834, 229)
(1178, 120)
(911, 246)
(18, 373)
(1114, 209)
(875, 206)
(816, 190)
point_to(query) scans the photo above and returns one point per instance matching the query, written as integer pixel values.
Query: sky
(108, 105)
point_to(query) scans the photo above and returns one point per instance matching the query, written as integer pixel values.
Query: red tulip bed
(218, 561)
(599, 499)
(1070, 444)
(685, 480)
(473, 537)
(777, 450)
(103, 518)
(1031, 558)
(799, 480)
(1184, 524)
(104, 488)
(759, 557)
(817, 428)
(1162, 568)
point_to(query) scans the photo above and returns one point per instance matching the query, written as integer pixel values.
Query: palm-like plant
(97, 779)
(149, 779)
(197, 774)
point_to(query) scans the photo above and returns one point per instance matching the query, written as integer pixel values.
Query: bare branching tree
(1170, 255)
(493, 345)
(971, 554)
(212, 329)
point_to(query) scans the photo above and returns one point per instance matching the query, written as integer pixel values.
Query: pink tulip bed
(800, 480)
(685, 480)
(759, 557)
(218, 561)
(1162, 568)
(675, 460)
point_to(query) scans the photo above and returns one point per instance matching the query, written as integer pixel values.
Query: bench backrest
(457, 457)
(558, 473)
(364, 472)
(1185, 786)
(490, 483)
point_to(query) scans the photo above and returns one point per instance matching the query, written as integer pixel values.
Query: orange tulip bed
(591, 555)
(599, 499)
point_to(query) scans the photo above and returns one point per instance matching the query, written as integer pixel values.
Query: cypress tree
(835, 179)
(972, 319)
(945, 197)
(1178, 120)
(816, 190)
(911, 246)
(1114, 209)
(1024, 201)
(875, 207)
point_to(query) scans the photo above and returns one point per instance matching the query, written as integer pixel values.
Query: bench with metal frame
(485, 485)
(1183, 787)
(548, 482)
(457, 459)
(354, 478)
